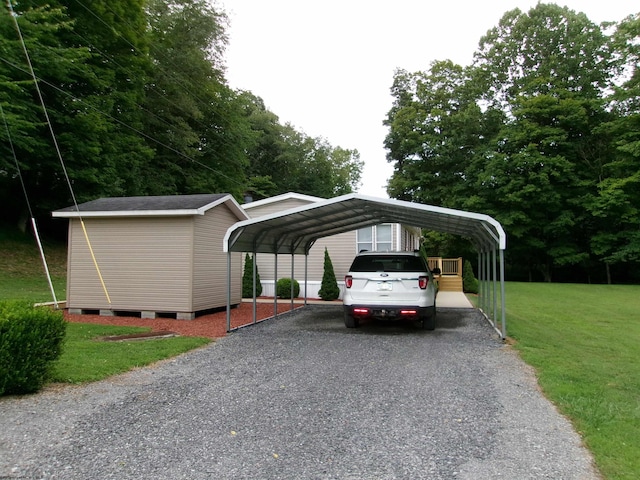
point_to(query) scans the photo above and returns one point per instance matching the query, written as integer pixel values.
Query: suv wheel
(350, 321)
(429, 323)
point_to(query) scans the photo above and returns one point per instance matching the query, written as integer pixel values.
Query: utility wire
(55, 142)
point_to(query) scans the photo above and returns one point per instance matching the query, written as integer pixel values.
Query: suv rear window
(388, 263)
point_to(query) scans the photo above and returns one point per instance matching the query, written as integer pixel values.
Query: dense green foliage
(329, 289)
(139, 105)
(541, 132)
(31, 341)
(584, 342)
(469, 281)
(247, 279)
(283, 288)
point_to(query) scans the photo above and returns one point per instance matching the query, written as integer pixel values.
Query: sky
(327, 66)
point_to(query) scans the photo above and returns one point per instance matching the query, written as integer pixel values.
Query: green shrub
(283, 288)
(30, 341)
(469, 281)
(247, 279)
(329, 289)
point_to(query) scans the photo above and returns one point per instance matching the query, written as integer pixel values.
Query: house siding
(146, 264)
(275, 207)
(210, 262)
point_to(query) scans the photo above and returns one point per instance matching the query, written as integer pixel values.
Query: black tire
(429, 323)
(350, 321)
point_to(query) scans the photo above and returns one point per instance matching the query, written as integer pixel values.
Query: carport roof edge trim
(322, 209)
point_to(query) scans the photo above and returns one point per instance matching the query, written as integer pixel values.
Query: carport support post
(229, 290)
(481, 278)
(255, 300)
(504, 317)
(275, 284)
(479, 270)
(495, 286)
(306, 262)
(487, 257)
(292, 259)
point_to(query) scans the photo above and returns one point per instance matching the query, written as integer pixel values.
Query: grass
(584, 342)
(22, 273)
(87, 359)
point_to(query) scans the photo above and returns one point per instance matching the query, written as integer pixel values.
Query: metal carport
(294, 232)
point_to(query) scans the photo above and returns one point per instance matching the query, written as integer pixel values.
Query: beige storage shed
(151, 256)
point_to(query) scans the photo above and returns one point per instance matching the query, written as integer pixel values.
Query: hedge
(31, 340)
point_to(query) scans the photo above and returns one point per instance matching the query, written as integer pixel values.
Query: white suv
(390, 286)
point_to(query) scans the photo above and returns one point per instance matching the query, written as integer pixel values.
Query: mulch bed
(213, 325)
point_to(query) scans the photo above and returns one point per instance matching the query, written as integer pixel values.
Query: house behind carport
(342, 247)
(152, 256)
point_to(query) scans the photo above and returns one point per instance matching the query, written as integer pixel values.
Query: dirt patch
(213, 325)
(138, 336)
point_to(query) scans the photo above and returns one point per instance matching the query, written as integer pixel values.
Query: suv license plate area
(385, 313)
(385, 286)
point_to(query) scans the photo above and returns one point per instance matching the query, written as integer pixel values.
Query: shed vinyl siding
(210, 262)
(146, 264)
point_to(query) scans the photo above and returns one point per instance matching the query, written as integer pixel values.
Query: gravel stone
(303, 397)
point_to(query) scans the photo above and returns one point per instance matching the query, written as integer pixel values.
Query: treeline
(136, 94)
(542, 132)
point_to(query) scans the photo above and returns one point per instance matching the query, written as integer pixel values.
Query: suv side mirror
(436, 271)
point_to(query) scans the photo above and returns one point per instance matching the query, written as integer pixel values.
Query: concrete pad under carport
(452, 300)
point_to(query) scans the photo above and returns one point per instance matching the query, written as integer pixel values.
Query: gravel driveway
(302, 397)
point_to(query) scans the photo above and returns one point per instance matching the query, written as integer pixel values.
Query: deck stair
(450, 283)
(450, 279)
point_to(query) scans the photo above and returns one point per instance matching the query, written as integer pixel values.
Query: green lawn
(584, 341)
(86, 359)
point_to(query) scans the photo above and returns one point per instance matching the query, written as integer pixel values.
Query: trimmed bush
(247, 279)
(329, 289)
(283, 288)
(469, 281)
(31, 341)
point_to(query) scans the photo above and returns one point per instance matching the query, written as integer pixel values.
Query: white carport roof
(294, 231)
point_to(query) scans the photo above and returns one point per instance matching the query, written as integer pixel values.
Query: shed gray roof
(295, 230)
(151, 206)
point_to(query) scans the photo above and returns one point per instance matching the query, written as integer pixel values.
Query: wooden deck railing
(447, 266)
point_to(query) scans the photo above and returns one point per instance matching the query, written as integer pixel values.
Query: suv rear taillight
(423, 281)
(348, 281)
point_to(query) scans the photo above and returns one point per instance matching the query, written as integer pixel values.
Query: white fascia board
(231, 202)
(129, 213)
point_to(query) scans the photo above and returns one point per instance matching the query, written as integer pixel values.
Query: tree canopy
(541, 132)
(139, 105)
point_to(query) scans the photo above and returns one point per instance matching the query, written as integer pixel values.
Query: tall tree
(193, 118)
(615, 203)
(60, 71)
(547, 69)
